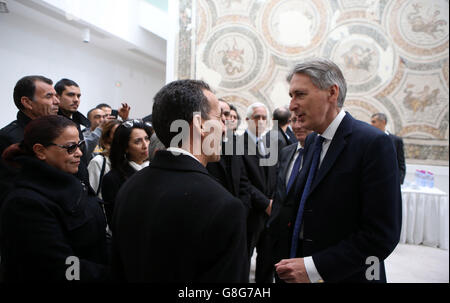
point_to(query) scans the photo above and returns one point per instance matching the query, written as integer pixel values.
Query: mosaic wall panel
(394, 55)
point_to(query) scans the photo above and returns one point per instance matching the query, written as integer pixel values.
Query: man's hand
(124, 111)
(292, 271)
(269, 208)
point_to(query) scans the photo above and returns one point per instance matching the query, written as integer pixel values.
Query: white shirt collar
(137, 166)
(252, 135)
(332, 128)
(177, 150)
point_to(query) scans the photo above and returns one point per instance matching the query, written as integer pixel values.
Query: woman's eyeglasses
(136, 123)
(70, 148)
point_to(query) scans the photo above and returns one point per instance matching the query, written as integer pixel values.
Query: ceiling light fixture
(4, 7)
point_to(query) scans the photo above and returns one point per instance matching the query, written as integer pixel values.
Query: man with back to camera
(344, 218)
(172, 221)
(379, 120)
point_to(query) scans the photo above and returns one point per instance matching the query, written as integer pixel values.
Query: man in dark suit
(230, 170)
(379, 120)
(35, 97)
(173, 222)
(283, 116)
(289, 166)
(291, 135)
(262, 176)
(344, 218)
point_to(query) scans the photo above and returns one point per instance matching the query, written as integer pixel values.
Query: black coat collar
(60, 187)
(22, 119)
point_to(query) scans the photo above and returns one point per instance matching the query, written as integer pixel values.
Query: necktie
(260, 150)
(295, 169)
(309, 181)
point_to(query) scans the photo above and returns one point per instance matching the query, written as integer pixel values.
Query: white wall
(29, 47)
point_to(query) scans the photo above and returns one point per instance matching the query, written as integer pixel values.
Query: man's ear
(39, 151)
(333, 92)
(26, 102)
(197, 124)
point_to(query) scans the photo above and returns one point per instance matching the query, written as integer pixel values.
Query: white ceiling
(48, 16)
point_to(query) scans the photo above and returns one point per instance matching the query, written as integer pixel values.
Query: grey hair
(323, 74)
(380, 116)
(252, 107)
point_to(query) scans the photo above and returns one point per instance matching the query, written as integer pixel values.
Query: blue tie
(309, 181)
(295, 169)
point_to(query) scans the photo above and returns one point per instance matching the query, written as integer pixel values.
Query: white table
(425, 217)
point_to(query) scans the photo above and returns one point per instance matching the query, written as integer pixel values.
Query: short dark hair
(102, 105)
(380, 116)
(61, 85)
(178, 100)
(232, 107)
(119, 145)
(90, 111)
(282, 115)
(26, 87)
(43, 130)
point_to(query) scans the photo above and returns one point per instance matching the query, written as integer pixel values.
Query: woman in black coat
(128, 154)
(52, 224)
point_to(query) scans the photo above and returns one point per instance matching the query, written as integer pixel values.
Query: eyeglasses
(70, 148)
(136, 123)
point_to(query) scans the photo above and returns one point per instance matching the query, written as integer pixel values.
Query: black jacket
(398, 144)
(111, 184)
(50, 216)
(80, 120)
(230, 172)
(353, 211)
(174, 223)
(13, 132)
(262, 184)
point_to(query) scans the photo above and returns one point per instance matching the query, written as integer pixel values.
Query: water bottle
(424, 178)
(430, 177)
(417, 177)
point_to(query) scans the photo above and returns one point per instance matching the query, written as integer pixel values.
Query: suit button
(307, 240)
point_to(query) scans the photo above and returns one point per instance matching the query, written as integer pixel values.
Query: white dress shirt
(328, 134)
(177, 150)
(261, 147)
(291, 164)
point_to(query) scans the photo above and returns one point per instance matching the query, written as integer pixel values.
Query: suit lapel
(285, 165)
(337, 145)
(300, 181)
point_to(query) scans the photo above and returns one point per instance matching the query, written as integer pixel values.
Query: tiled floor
(410, 264)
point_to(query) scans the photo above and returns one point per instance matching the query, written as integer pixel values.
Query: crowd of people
(107, 198)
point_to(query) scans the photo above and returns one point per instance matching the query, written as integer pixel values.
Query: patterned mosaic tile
(394, 55)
